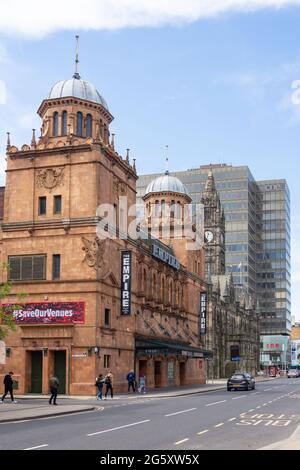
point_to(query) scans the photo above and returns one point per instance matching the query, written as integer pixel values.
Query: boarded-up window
(27, 268)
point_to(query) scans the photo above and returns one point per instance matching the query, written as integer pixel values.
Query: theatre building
(94, 303)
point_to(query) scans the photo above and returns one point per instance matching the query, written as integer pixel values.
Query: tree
(7, 321)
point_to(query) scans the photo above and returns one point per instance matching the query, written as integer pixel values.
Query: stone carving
(50, 178)
(94, 252)
(119, 187)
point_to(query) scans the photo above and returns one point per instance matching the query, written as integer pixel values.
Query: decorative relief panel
(50, 178)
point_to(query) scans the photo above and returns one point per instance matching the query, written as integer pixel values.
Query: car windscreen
(238, 377)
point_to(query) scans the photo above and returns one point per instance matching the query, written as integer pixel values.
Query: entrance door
(60, 370)
(182, 373)
(157, 374)
(36, 371)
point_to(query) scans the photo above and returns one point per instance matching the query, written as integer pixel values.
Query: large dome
(77, 88)
(166, 183)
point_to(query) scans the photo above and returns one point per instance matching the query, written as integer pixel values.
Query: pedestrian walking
(99, 384)
(54, 384)
(142, 386)
(8, 387)
(109, 384)
(131, 380)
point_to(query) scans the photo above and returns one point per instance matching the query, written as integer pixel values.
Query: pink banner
(47, 313)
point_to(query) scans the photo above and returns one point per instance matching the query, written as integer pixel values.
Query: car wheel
(253, 387)
(229, 389)
(247, 388)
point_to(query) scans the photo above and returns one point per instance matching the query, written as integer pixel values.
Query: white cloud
(28, 18)
(3, 92)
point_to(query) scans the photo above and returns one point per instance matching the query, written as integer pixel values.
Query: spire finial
(8, 141)
(76, 74)
(167, 160)
(113, 141)
(134, 165)
(127, 155)
(33, 140)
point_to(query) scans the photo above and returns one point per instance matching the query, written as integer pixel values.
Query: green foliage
(7, 322)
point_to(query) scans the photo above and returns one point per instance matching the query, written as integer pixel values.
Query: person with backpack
(8, 387)
(131, 380)
(54, 384)
(99, 384)
(109, 384)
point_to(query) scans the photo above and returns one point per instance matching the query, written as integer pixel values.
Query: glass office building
(257, 235)
(273, 257)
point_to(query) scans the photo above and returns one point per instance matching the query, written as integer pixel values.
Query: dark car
(241, 381)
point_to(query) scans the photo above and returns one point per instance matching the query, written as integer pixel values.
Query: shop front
(167, 363)
(44, 344)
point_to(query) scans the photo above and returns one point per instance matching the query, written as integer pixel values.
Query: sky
(218, 81)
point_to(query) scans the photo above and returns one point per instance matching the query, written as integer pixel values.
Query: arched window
(179, 211)
(79, 124)
(156, 208)
(145, 281)
(172, 209)
(163, 288)
(55, 124)
(64, 123)
(170, 291)
(163, 207)
(89, 125)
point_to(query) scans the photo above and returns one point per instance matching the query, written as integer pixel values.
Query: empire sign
(203, 312)
(126, 283)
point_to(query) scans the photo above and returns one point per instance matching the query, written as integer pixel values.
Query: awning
(157, 346)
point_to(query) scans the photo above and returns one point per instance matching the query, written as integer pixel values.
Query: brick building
(80, 315)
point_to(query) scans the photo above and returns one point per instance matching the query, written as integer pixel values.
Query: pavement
(292, 443)
(10, 412)
(25, 411)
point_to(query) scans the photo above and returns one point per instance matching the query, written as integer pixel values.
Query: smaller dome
(79, 89)
(166, 183)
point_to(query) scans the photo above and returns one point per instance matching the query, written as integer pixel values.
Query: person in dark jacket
(54, 384)
(131, 380)
(8, 387)
(109, 384)
(99, 384)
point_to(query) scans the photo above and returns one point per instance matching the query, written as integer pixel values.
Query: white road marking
(232, 419)
(216, 402)
(37, 447)
(267, 389)
(180, 412)
(120, 427)
(203, 432)
(237, 398)
(256, 393)
(249, 411)
(258, 407)
(219, 425)
(181, 442)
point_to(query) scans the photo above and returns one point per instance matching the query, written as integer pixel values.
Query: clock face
(209, 236)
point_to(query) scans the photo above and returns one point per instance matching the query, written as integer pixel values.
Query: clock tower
(214, 229)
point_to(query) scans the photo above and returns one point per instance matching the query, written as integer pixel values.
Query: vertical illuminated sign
(126, 283)
(203, 312)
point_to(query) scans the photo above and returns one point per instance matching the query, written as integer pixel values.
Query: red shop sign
(47, 313)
